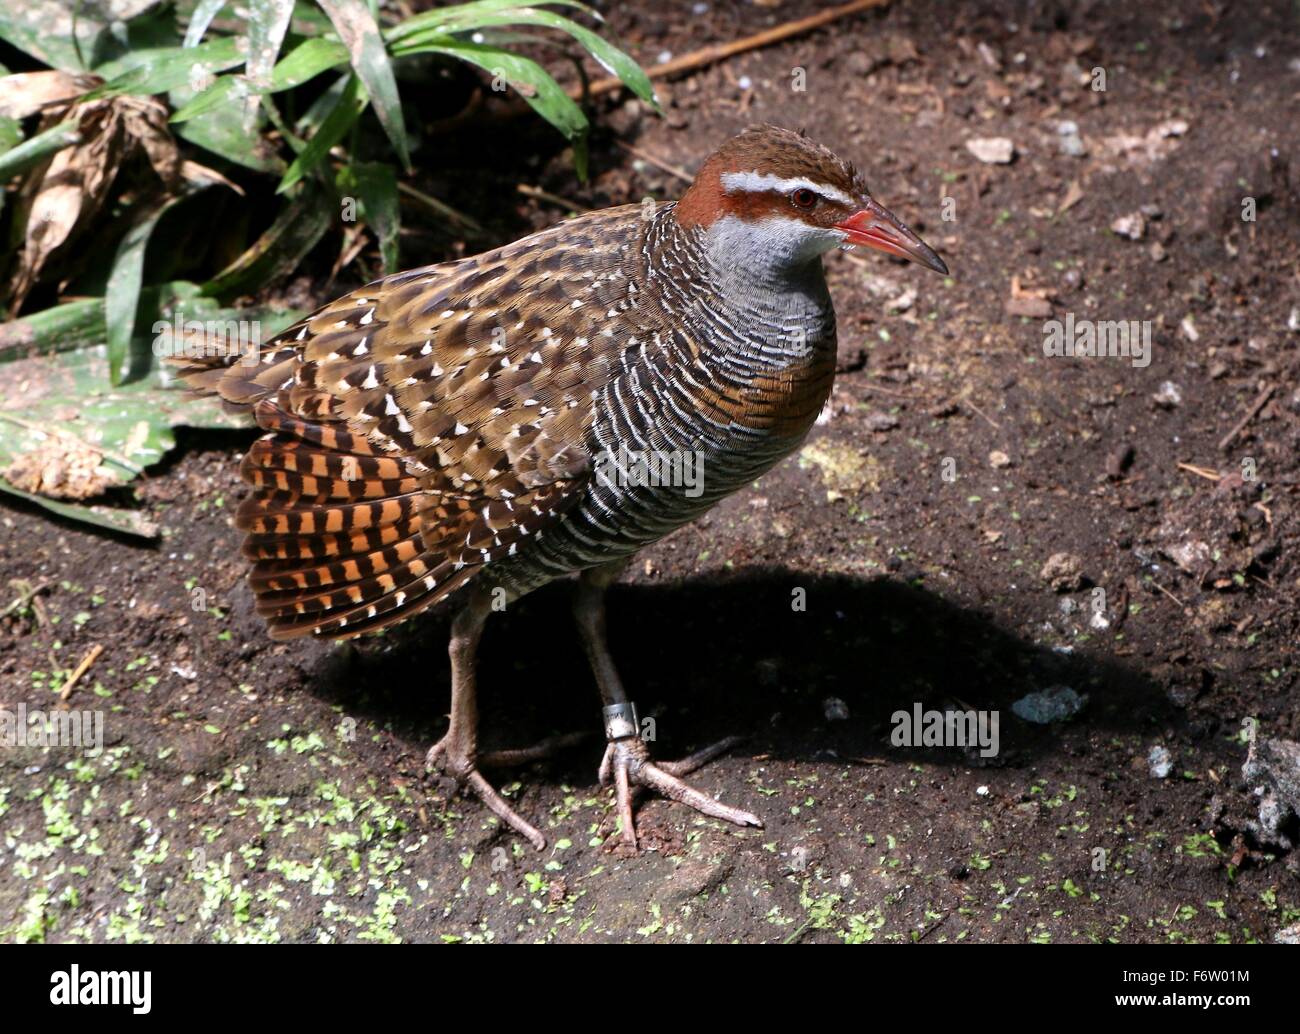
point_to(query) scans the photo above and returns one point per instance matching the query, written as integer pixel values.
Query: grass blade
(357, 29)
(375, 185)
(613, 60)
(122, 293)
(303, 63)
(200, 20)
(351, 103)
(547, 97)
(38, 148)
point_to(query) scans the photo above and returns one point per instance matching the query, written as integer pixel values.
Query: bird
(485, 426)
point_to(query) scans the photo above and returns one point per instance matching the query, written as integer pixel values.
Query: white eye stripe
(754, 182)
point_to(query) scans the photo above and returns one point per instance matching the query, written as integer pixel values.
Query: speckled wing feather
(426, 424)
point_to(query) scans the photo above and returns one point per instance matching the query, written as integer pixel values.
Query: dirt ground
(255, 792)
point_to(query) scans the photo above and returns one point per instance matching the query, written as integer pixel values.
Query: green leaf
(59, 328)
(131, 522)
(546, 97)
(268, 21)
(38, 148)
(122, 293)
(295, 231)
(350, 105)
(11, 134)
(609, 56)
(465, 16)
(202, 17)
(306, 61)
(44, 31)
(224, 132)
(375, 185)
(357, 29)
(159, 70)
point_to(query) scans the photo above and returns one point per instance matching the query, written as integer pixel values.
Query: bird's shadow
(767, 653)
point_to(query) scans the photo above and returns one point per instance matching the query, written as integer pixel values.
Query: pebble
(992, 150)
(1133, 226)
(1063, 572)
(1161, 762)
(1072, 146)
(835, 709)
(1053, 704)
(1168, 396)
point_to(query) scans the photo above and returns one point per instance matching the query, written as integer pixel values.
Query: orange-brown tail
(334, 529)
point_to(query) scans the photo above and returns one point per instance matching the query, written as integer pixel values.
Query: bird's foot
(459, 762)
(628, 766)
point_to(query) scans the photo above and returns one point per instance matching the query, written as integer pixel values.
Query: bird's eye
(803, 198)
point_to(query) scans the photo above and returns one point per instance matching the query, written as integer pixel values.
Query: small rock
(1072, 146)
(1168, 396)
(1157, 252)
(881, 422)
(1188, 327)
(1192, 556)
(1272, 769)
(1063, 572)
(835, 709)
(903, 302)
(992, 150)
(1289, 934)
(1054, 704)
(1133, 226)
(999, 459)
(1161, 762)
(1027, 305)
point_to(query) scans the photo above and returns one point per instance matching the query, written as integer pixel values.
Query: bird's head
(776, 200)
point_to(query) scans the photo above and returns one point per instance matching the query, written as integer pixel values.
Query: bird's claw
(627, 764)
(453, 760)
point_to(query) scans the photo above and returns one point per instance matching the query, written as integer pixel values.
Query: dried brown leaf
(26, 93)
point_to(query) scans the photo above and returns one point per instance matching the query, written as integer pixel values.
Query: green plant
(105, 141)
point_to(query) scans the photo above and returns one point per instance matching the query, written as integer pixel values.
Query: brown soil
(260, 791)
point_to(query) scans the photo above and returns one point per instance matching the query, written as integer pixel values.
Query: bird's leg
(456, 753)
(627, 759)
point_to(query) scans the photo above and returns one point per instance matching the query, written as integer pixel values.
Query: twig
(441, 207)
(1251, 413)
(26, 591)
(1121, 608)
(646, 156)
(888, 391)
(82, 668)
(1201, 472)
(933, 926)
(720, 51)
(1180, 603)
(981, 413)
(554, 199)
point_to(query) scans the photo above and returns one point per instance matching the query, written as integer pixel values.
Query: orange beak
(875, 227)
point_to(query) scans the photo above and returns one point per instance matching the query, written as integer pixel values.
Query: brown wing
(424, 425)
